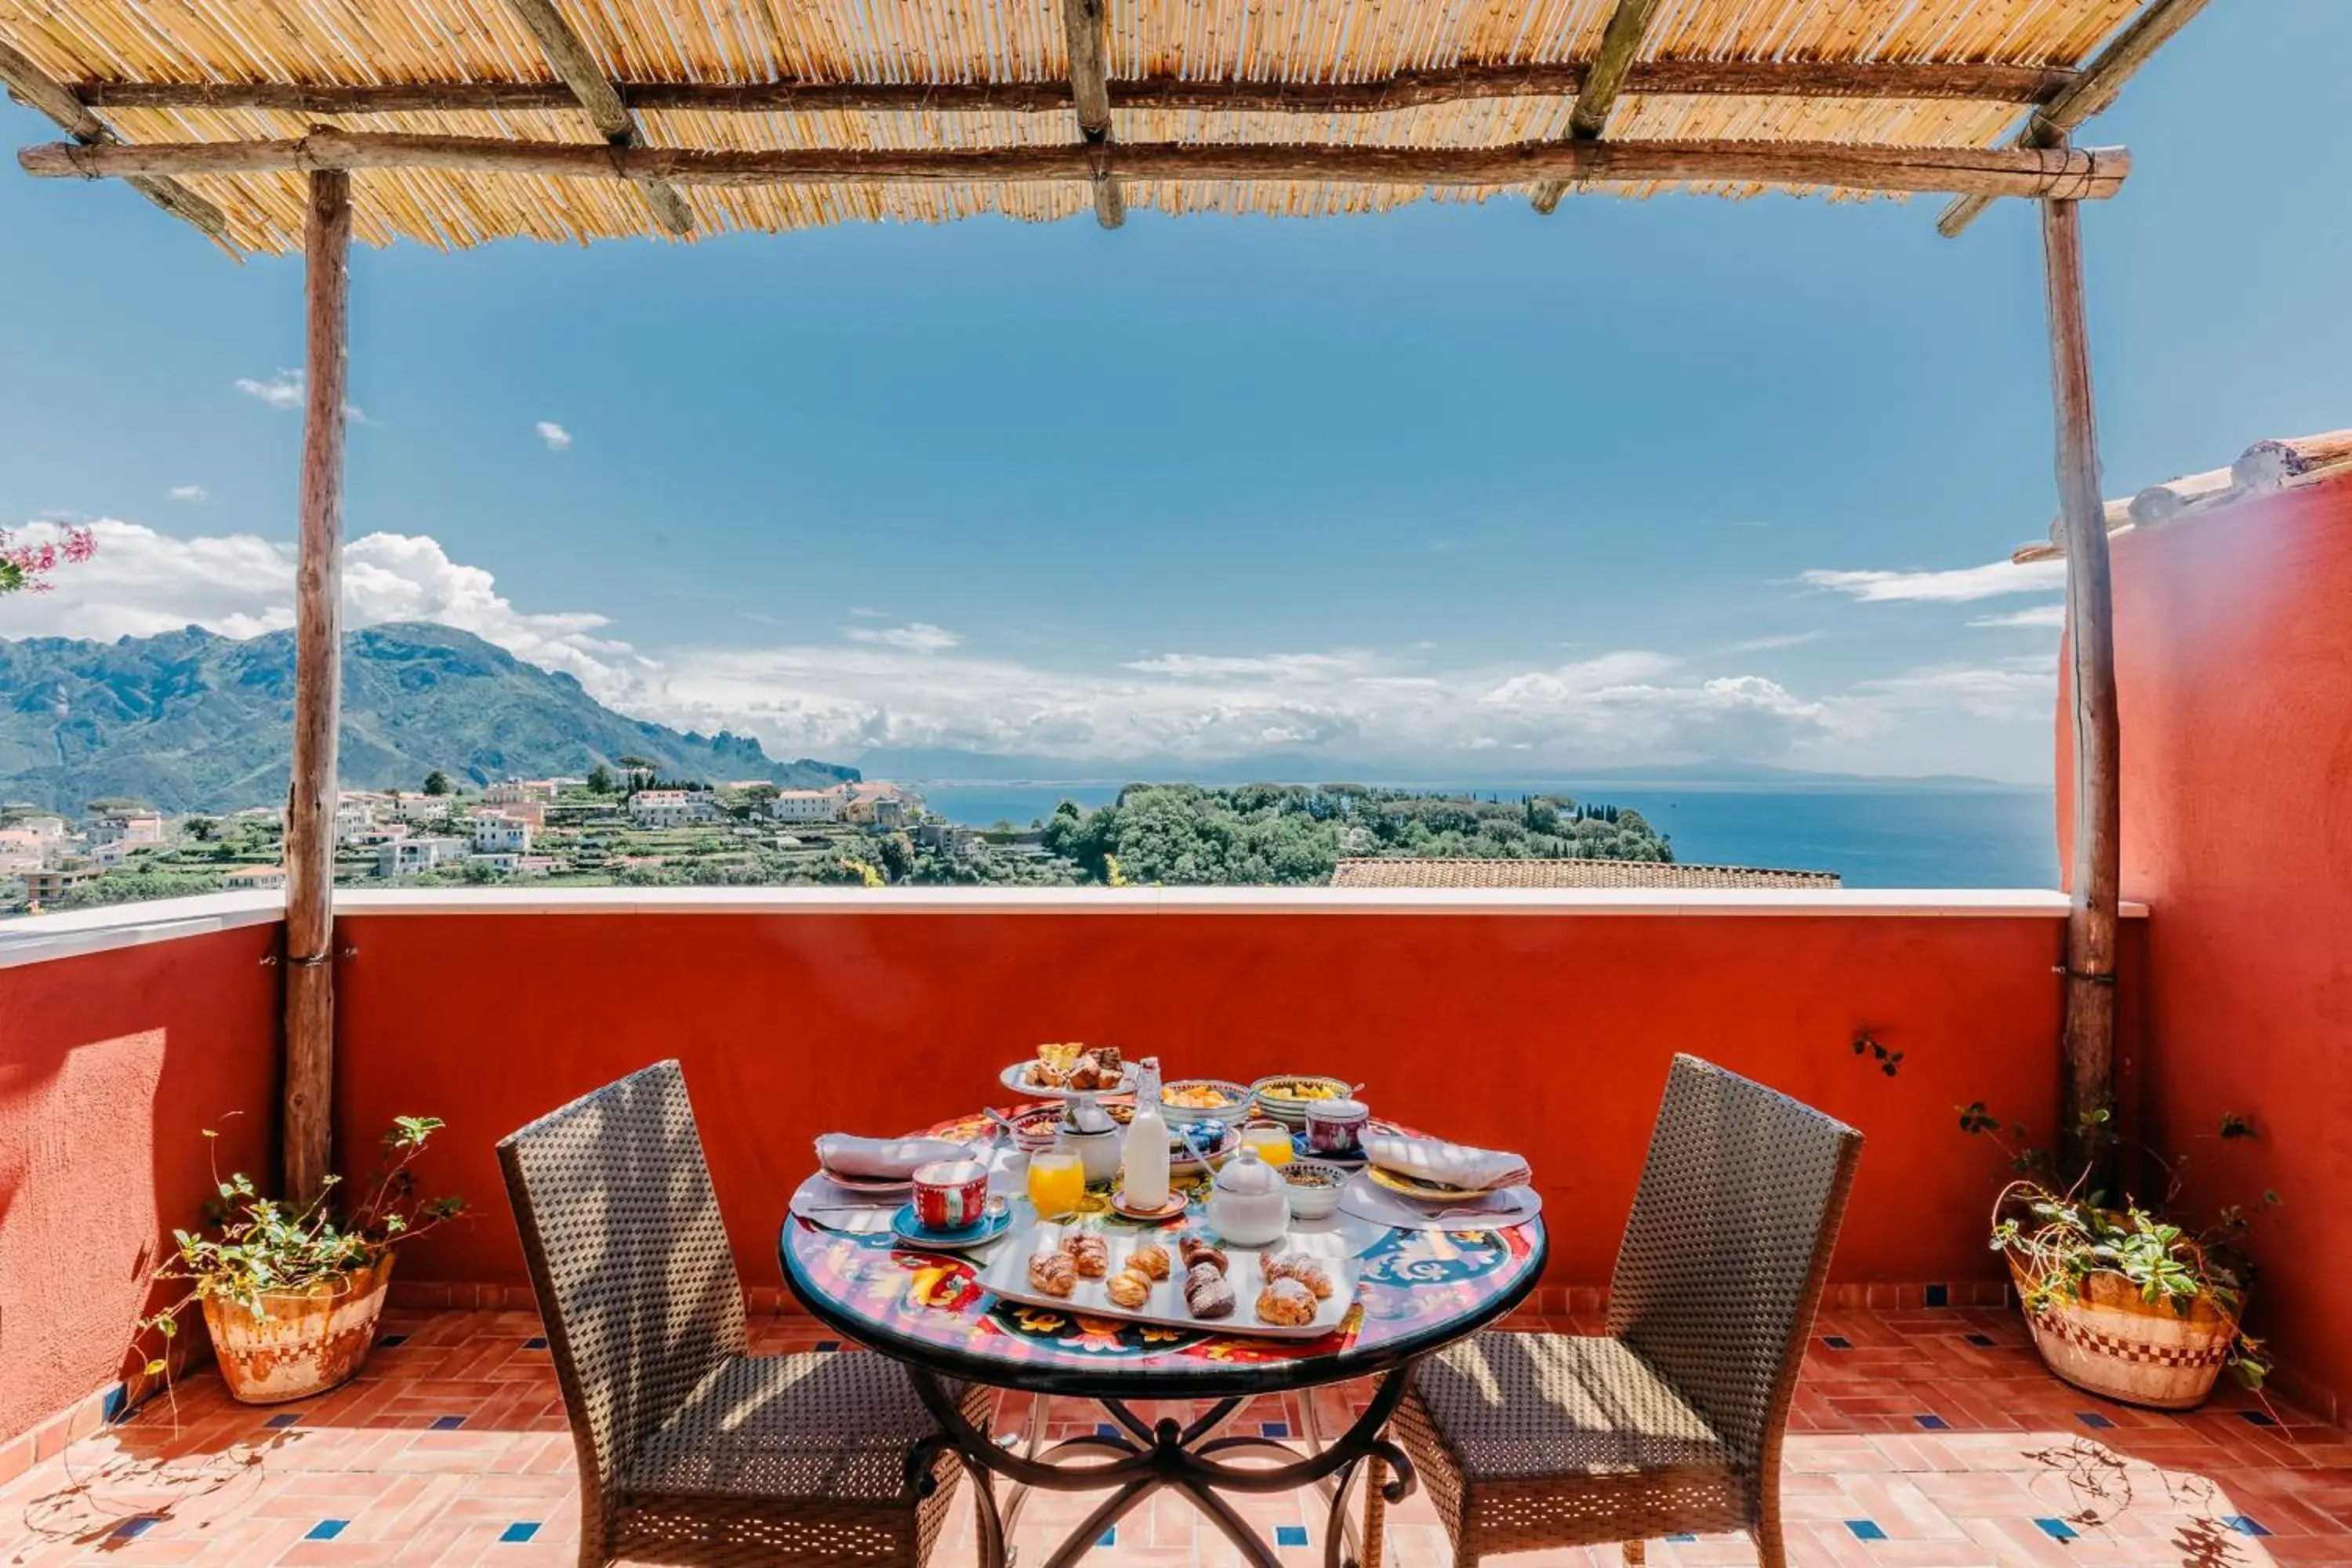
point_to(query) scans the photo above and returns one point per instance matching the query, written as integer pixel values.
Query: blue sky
(1450, 484)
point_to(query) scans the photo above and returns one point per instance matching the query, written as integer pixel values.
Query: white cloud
(285, 391)
(556, 437)
(2050, 616)
(1768, 644)
(189, 492)
(142, 582)
(916, 637)
(1987, 582)
(915, 684)
(867, 612)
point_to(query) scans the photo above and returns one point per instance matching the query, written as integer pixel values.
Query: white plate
(1007, 1275)
(1011, 1077)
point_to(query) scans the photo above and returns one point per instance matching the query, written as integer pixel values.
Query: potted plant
(2122, 1299)
(290, 1296)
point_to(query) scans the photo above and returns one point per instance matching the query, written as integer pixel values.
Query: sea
(1873, 835)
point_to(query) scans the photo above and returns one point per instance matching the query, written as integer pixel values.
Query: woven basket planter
(2114, 1344)
(310, 1339)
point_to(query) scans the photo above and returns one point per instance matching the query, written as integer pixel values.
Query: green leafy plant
(2061, 1237)
(255, 1246)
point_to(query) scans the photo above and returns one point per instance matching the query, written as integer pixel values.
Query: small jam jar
(950, 1195)
(1336, 1126)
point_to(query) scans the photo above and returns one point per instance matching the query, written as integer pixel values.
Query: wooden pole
(2087, 94)
(1085, 22)
(42, 93)
(318, 682)
(568, 55)
(1979, 82)
(2087, 174)
(2089, 1028)
(1588, 115)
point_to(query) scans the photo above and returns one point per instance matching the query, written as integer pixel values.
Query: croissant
(1303, 1268)
(1197, 1250)
(1089, 1253)
(1054, 1273)
(1206, 1294)
(1286, 1302)
(1129, 1289)
(1149, 1259)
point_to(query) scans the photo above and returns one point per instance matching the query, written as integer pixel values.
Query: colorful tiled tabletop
(1420, 1288)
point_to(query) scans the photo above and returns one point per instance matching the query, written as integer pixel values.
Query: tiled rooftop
(1926, 1437)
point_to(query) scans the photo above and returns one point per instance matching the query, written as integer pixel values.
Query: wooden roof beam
(44, 93)
(2088, 94)
(1867, 80)
(1589, 116)
(2064, 172)
(568, 54)
(1086, 24)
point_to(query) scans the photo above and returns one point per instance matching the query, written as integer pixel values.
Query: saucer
(1174, 1207)
(912, 1231)
(874, 1186)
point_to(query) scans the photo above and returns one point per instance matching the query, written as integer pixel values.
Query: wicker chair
(691, 1451)
(1670, 1420)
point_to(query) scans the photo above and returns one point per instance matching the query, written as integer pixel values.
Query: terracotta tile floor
(1922, 1438)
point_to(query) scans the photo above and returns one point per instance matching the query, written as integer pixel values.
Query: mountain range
(188, 721)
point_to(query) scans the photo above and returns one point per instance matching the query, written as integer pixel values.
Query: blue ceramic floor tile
(282, 1422)
(2055, 1529)
(1940, 1295)
(1837, 1342)
(1273, 1428)
(447, 1422)
(536, 1343)
(1290, 1535)
(326, 1529)
(522, 1530)
(133, 1529)
(1983, 1341)
(2243, 1524)
(2093, 1420)
(1865, 1530)
(1933, 1423)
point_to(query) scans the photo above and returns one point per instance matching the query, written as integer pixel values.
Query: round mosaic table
(1420, 1290)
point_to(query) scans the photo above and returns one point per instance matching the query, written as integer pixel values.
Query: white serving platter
(1007, 1275)
(1013, 1078)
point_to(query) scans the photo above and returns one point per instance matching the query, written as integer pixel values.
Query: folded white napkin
(1447, 1164)
(882, 1158)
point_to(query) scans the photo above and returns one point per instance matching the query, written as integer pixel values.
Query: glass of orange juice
(1270, 1139)
(1057, 1183)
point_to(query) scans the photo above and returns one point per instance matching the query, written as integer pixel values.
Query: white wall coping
(39, 938)
(44, 937)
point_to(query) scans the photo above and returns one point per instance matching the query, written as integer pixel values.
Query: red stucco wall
(2234, 656)
(1549, 1035)
(110, 1067)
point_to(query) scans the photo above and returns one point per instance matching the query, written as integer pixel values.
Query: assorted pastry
(1294, 1284)
(1206, 1293)
(1285, 1303)
(1074, 1066)
(1305, 1270)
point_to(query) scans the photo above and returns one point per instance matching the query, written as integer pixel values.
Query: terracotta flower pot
(2114, 1344)
(310, 1340)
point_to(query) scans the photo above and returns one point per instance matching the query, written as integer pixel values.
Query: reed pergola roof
(466, 120)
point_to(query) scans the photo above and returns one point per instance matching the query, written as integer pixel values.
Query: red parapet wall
(111, 1066)
(1550, 1035)
(2233, 661)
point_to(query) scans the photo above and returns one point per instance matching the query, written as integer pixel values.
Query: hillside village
(632, 827)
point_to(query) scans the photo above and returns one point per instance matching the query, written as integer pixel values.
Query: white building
(130, 829)
(805, 805)
(52, 828)
(495, 833)
(672, 807)
(519, 792)
(253, 878)
(405, 856)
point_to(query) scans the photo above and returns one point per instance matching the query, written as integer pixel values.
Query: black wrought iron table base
(1148, 1456)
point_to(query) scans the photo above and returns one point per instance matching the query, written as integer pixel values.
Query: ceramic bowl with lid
(1250, 1203)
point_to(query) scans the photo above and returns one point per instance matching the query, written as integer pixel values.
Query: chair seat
(832, 1427)
(1513, 1408)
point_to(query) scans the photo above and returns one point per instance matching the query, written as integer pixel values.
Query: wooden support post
(568, 55)
(318, 682)
(2087, 94)
(1587, 117)
(1087, 23)
(2088, 1031)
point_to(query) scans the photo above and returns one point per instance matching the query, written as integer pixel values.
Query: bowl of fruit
(1286, 1096)
(1203, 1100)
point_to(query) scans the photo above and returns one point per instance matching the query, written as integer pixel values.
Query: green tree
(599, 780)
(437, 783)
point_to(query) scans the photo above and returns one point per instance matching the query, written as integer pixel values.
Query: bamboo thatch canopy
(464, 120)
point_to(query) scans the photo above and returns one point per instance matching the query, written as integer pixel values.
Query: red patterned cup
(950, 1195)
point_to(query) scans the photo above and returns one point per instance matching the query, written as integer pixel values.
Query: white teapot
(1248, 1205)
